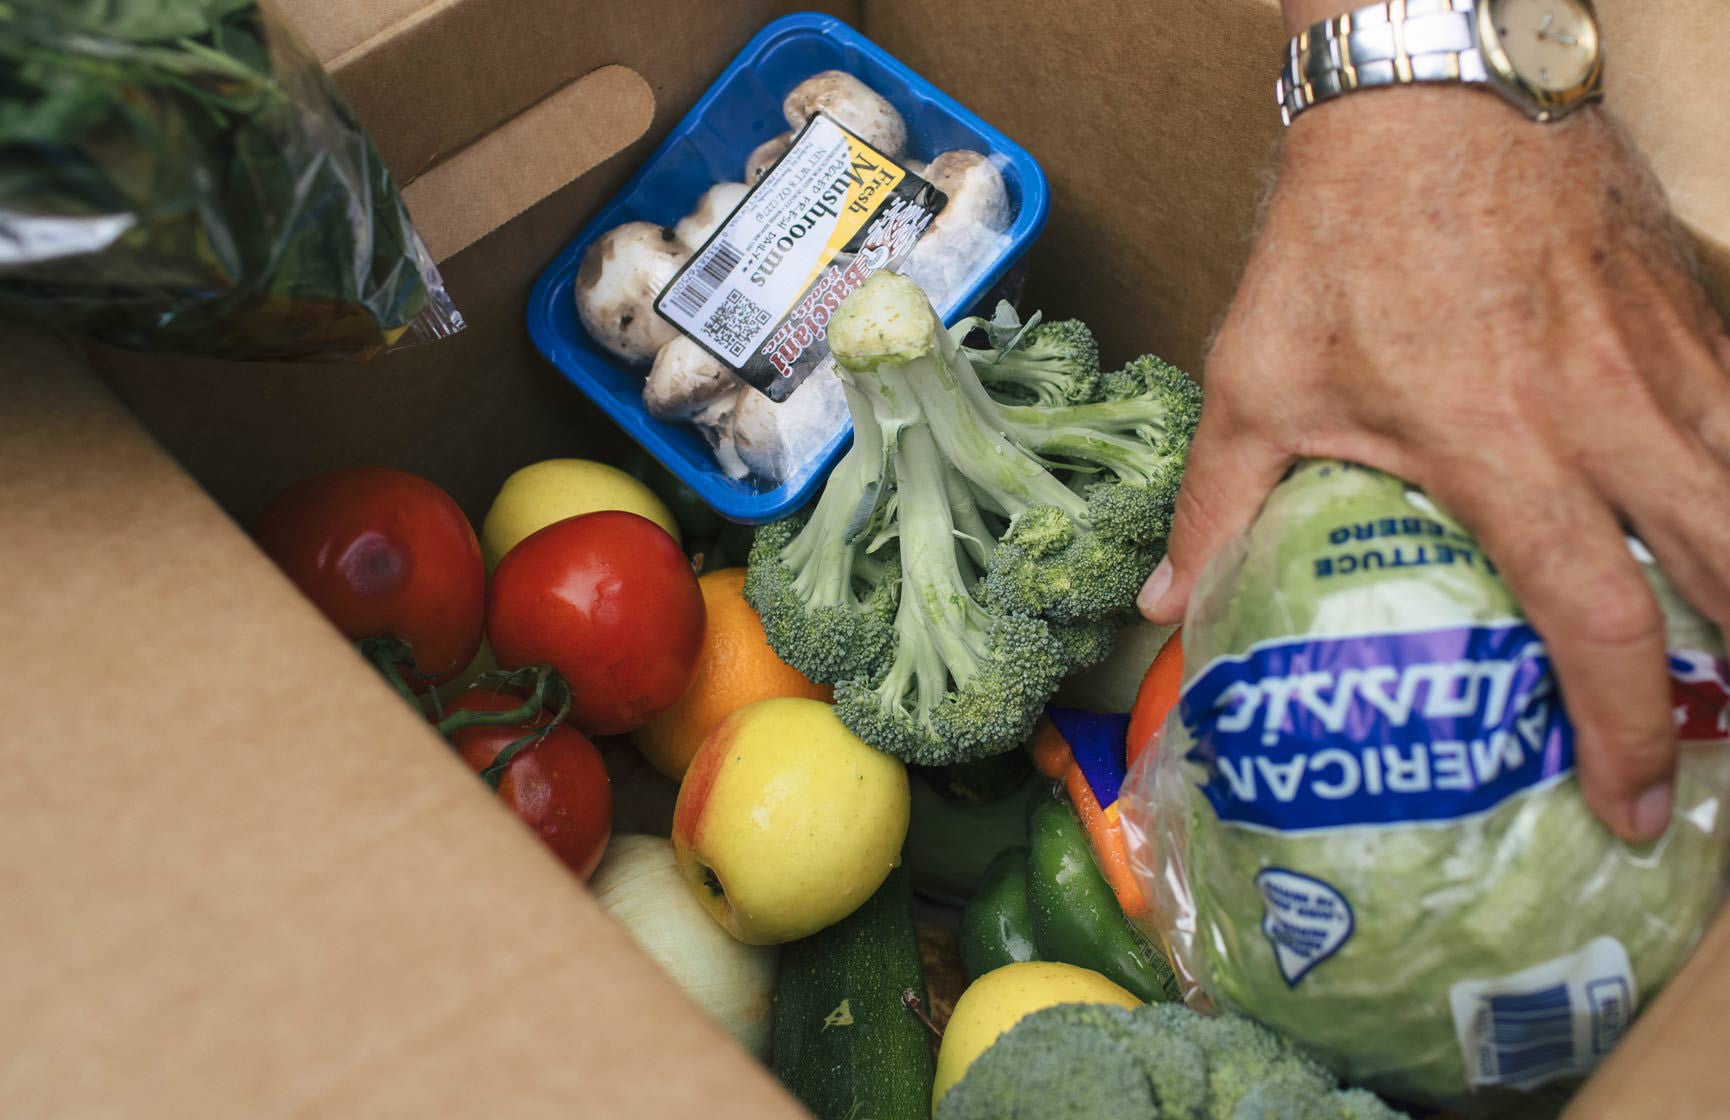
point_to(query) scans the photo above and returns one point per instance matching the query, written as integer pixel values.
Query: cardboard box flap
(431, 78)
(242, 878)
(480, 188)
(1671, 1064)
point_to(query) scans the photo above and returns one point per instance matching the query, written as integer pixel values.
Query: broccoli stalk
(1004, 577)
(827, 604)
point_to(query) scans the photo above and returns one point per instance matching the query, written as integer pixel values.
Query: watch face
(1552, 45)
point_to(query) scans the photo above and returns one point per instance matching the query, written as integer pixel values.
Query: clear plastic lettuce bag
(1362, 825)
(180, 175)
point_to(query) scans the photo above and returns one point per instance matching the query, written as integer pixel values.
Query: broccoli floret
(1086, 644)
(1071, 1062)
(1047, 364)
(967, 555)
(828, 607)
(1159, 1062)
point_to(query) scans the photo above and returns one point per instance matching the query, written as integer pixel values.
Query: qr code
(735, 323)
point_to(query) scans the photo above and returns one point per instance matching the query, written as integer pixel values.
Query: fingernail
(1155, 588)
(1652, 811)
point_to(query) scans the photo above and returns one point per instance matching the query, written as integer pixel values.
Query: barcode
(1552, 1020)
(1531, 1034)
(699, 283)
(735, 323)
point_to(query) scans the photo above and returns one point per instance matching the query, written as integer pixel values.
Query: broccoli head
(1159, 1062)
(967, 555)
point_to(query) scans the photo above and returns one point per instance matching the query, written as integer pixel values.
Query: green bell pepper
(996, 928)
(1076, 918)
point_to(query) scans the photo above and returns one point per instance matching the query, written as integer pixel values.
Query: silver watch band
(1393, 43)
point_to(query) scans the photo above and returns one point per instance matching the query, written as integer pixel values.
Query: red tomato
(558, 786)
(384, 553)
(610, 601)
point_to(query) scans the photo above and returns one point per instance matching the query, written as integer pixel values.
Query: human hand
(1497, 311)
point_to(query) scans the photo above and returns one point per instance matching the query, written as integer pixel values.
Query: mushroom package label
(759, 292)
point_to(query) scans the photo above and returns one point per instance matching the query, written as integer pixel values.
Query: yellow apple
(786, 821)
(1005, 996)
(554, 489)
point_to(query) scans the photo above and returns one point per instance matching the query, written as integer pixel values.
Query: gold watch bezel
(1545, 104)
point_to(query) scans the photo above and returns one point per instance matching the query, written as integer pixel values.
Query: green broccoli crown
(1093, 577)
(1178, 393)
(1054, 363)
(916, 712)
(827, 609)
(1158, 1062)
(1086, 644)
(1075, 1061)
(1137, 516)
(966, 555)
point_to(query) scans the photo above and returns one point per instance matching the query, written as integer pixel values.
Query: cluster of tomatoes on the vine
(596, 622)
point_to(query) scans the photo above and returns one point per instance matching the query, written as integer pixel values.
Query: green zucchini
(843, 1040)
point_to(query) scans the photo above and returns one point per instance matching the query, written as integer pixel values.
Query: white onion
(641, 886)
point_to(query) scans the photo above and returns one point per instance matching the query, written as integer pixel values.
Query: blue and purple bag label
(1398, 728)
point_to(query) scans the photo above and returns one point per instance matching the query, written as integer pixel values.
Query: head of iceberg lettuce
(1365, 826)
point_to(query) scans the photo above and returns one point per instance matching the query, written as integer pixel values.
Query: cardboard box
(242, 880)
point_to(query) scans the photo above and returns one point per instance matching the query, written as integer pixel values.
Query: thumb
(1224, 484)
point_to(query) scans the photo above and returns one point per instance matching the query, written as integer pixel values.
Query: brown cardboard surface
(428, 78)
(241, 877)
(554, 142)
(1672, 1065)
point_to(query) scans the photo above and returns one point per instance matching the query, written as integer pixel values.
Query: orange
(735, 668)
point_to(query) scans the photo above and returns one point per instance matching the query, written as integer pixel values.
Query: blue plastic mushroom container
(710, 145)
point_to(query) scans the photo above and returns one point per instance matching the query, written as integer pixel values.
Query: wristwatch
(1542, 55)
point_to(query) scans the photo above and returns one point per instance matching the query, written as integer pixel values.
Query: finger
(1676, 495)
(1224, 483)
(1567, 562)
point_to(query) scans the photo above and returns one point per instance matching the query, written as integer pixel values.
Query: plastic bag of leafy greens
(180, 175)
(1362, 825)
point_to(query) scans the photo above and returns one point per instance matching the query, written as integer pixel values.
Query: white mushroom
(684, 379)
(715, 422)
(774, 439)
(621, 274)
(757, 433)
(977, 196)
(713, 208)
(916, 166)
(969, 226)
(764, 155)
(855, 105)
